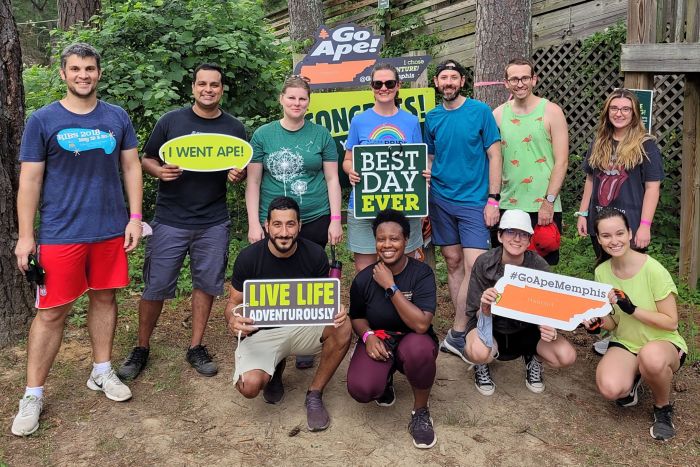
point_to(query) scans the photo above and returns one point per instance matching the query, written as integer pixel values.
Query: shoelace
(201, 355)
(534, 370)
(30, 407)
(111, 377)
(314, 402)
(135, 357)
(483, 375)
(421, 419)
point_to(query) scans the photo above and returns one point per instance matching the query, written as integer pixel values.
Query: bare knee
(476, 351)
(564, 356)
(102, 298)
(611, 388)
(453, 259)
(652, 364)
(252, 386)
(52, 318)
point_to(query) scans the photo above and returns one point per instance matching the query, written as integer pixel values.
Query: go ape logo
(347, 41)
(344, 57)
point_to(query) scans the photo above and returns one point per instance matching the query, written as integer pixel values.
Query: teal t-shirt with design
(293, 166)
(651, 284)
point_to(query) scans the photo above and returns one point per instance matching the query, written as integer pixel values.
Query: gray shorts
(266, 348)
(361, 238)
(166, 251)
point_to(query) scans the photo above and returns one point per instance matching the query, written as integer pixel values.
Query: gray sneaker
(663, 428)
(134, 364)
(198, 356)
(455, 346)
(111, 385)
(27, 419)
(317, 417)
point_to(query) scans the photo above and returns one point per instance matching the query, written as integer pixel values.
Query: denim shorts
(166, 251)
(458, 225)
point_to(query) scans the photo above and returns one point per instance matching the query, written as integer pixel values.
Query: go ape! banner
(335, 111)
(391, 176)
(344, 56)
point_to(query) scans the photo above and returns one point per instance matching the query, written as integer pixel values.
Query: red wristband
(645, 222)
(136, 216)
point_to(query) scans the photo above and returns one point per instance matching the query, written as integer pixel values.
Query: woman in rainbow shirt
(384, 123)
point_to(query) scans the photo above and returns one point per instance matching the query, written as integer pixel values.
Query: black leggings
(316, 230)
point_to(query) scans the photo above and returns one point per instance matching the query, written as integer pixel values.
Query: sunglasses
(390, 84)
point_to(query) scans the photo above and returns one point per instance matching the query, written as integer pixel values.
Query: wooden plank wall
(453, 21)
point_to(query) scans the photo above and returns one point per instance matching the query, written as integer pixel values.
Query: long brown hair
(630, 151)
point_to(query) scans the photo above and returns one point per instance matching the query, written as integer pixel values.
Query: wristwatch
(496, 196)
(550, 198)
(390, 291)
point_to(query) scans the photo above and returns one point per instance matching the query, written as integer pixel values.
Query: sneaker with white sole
(663, 428)
(534, 380)
(27, 419)
(455, 346)
(421, 429)
(111, 385)
(482, 380)
(632, 398)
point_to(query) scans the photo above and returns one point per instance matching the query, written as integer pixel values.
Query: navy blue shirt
(82, 200)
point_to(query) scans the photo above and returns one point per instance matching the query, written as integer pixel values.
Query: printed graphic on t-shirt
(611, 182)
(83, 139)
(386, 133)
(285, 166)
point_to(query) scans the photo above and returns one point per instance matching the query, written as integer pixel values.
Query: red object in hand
(381, 334)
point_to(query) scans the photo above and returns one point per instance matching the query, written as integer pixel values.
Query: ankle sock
(37, 392)
(101, 368)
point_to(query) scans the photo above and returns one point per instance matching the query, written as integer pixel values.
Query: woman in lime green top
(645, 343)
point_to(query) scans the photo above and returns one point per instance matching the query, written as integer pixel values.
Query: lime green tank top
(528, 159)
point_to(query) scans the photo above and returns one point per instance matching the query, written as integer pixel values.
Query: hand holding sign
(549, 299)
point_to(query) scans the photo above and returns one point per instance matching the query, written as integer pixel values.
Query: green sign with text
(391, 176)
(646, 106)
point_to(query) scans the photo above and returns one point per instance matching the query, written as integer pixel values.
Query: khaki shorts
(266, 348)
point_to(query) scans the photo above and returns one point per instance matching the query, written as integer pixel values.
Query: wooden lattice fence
(579, 79)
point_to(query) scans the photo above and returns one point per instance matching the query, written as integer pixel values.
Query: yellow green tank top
(528, 159)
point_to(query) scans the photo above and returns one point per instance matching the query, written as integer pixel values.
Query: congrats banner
(391, 177)
(292, 302)
(549, 299)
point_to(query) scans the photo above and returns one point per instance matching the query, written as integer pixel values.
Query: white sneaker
(111, 385)
(27, 419)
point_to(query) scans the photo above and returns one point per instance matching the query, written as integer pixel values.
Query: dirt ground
(177, 417)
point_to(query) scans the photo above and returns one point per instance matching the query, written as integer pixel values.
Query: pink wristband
(336, 217)
(492, 202)
(645, 222)
(136, 216)
(366, 335)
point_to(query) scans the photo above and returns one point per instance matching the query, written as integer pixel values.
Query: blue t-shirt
(459, 139)
(81, 199)
(371, 128)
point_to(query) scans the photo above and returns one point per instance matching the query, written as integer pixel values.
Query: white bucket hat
(516, 219)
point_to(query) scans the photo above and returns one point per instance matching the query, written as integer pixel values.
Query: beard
(449, 97)
(281, 248)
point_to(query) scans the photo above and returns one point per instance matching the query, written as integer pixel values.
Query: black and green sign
(646, 106)
(391, 176)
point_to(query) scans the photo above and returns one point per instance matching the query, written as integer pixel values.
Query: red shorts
(73, 268)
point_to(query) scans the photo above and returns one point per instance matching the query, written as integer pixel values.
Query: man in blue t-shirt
(191, 218)
(464, 147)
(72, 153)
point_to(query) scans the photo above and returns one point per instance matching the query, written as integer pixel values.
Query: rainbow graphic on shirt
(387, 133)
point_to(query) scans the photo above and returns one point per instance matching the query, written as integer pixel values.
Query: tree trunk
(71, 12)
(15, 295)
(305, 17)
(503, 32)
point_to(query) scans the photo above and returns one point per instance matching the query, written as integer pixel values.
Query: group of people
(494, 177)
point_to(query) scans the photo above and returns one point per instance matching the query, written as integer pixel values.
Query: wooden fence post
(641, 29)
(690, 185)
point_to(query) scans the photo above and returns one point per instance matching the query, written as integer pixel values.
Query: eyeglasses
(516, 234)
(614, 109)
(514, 81)
(390, 84)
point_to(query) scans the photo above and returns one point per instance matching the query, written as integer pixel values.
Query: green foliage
(42, 85)
(150, 49)
(409, 38)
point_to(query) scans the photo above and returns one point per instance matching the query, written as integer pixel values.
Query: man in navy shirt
(72, 152)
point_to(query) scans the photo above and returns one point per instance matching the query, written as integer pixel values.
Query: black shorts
(681, 354)
(518, 344)
(316, 230)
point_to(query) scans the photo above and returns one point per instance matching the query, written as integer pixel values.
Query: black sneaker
(534, 380)
(134, 364)
(663, 428)
(632, 398)
(482, 380)
(273, 392)
(389, 397)
(421, 429)
(199, 358)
